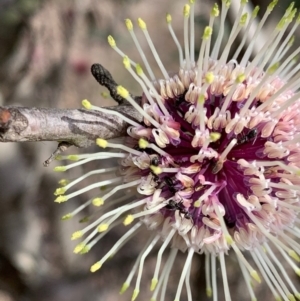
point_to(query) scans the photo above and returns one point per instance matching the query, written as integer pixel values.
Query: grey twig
(75, 127)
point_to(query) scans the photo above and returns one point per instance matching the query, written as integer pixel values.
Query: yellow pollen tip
(229, 239)
(139, 70)
(201, 99)
(85, 250)
(128, 220)
(154, 282)
(143, 143)
(101, 142)
(186, 10)
(157, 170)
(197, 204)
(272, 5)
(73, 157)
(215, 10)
(124, 288)
(67, 216)
(60, 191)
(135, 294)
(209, 77)
(255, 11)
(244, 2)
(78, 248)
(63, 182)
(123, 92)
(227, 3)
(214, 136)
(126, 62)
(208, 292)
(273, 68)
(168, 18)
(297, 296)
(76, 235)
(255, 276)
(128, 24)
(294, 255)
(142, 24)
(111, 41)
(281, 23)
(297, 271)
(291, 41)
(291, 297)
(60, 168)
(58, 157)
(61, 199)
(243, 19)
(98, 202)
(95, 267)
(192, 1)
(290, 7)
(207, 33)
(102, 227)
(86, 104)
(240, 78)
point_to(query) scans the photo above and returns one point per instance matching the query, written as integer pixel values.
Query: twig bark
(75, 127)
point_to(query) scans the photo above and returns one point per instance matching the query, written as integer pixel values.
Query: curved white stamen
(88, 174)
(207, 275)
(188, 285)
(192, 30)
(247, 280)
(265, 276)
(188, 263)
(216, 49)
(229, 147)
(224, 277)
(139, 48)
(163, 280)
(159, 257)
(282, 269)
(175, 40)
(153, 241)
(214, 278)
(246, 33)
(186, 13)
(143, 27)
(120, 115)
(129, 234)
(134, 268)
(247, 54)
(123, 208)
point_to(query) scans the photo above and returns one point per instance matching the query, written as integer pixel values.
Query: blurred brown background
(46, 50)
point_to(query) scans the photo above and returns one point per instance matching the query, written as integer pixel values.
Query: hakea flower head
(214, 166)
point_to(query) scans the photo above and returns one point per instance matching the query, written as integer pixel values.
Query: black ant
(170, 184)
(154, 161)
(249, 136)
(173, 205)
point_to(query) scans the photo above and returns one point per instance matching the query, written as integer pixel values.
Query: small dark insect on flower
(214, 165)
(173, 205)
(248, 137)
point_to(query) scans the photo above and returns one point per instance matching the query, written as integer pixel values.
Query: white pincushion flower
(213, 166)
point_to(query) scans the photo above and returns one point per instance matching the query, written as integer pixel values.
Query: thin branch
(77, 127)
